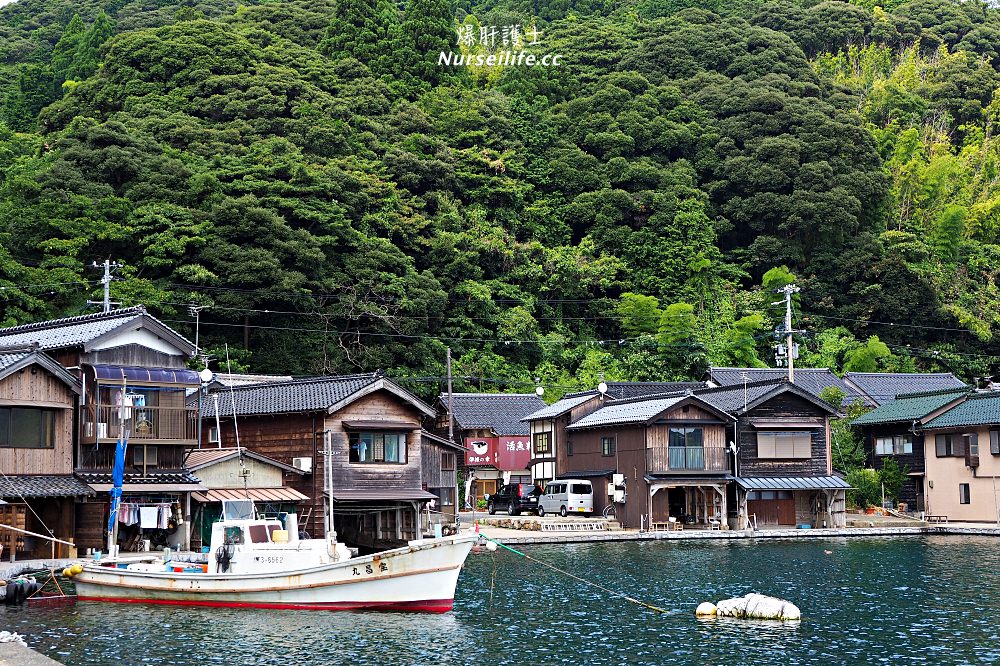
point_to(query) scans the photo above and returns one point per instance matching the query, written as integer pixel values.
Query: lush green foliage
(340, 202)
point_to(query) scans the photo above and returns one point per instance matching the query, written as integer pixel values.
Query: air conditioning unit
(304, 464)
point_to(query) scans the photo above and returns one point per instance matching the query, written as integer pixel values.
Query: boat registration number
(270, 559)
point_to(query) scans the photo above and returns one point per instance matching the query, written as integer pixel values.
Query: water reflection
(914, 600)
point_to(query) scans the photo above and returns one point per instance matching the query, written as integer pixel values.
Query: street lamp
(602, 385)
(206, 376)
(539, 389)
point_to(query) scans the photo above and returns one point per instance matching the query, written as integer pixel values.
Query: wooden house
(37, 401)
(374, 427)
(134, 379)
(895, 430)
(783, 467)
(439, 458)
(234, 474)
(491, 429)
(670, 450)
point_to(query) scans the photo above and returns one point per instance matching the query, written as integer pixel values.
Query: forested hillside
(341, 202)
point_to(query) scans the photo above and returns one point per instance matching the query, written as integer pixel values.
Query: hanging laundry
(148, 517)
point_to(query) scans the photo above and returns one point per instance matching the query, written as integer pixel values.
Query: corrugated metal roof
(42, 486)
(255, 494)
(199, 458)
(910, 407)
(627, 412)
(157, 375)
(387, 494)
(585, 474)
(500, 412)
(560, 407)
(792, 483)
(689, 480)
(885, 386)
(978, 409)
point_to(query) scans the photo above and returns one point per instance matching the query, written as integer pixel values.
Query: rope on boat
(577, 578)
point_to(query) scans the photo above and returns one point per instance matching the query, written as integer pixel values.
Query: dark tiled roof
(792, 483)
(735, 399)
(177, 477)
(12, 361)
(500, 412)
(7, 359)
(978, 409)
(585, 474)
(884, 386)
(627, 390)
(910, 407)
(75, 331)
(813, 380)
(42, 486)
(306, 395)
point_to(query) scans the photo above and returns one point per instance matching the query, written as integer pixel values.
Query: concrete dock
(15, 654)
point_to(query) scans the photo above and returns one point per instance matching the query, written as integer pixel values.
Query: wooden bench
(667, 527)
(936, 518)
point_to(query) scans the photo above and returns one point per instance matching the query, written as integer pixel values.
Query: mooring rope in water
(577, 578)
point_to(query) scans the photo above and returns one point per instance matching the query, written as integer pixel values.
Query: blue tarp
(117, 479)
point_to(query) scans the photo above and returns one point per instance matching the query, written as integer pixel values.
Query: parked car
(569, 496)
(515, 498)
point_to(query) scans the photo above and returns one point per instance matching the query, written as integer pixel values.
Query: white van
(567, 496)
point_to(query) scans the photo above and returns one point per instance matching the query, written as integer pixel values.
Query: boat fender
(706, 609)
(491, 546)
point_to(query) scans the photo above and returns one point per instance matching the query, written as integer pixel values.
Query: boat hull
(419, 577)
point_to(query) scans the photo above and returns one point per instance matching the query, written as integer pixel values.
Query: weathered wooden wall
(788, 407)
(35, 387)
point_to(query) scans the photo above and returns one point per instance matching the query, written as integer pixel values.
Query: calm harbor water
(919, 600)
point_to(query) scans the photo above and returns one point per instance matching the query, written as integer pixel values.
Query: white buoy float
(755, 606)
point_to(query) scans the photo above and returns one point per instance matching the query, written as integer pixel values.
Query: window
(607, 446)
(972, 443)
(569, 446)
(27, 428)
(963, 494)
(543, 442)
(447, 461)
(948, 445)
(213, 435)
(895, 445)
(797, 445)
(377, 447)
(445, 495)
(995, 442)
(144, 456)
(686, 448)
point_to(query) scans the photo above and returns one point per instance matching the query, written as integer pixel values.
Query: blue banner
(118, 479)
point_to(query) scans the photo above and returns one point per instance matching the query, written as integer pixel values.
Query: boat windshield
(237, 509)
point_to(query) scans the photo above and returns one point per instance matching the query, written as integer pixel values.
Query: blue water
(915, 600)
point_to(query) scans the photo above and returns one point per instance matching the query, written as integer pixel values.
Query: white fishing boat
(262, 563)
(254, 564)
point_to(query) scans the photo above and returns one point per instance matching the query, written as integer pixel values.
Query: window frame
(953, 445)
(995, 442)
(353, 447)
(45, 428)
(448, 461)
(609, 446)
(538, 438)
(799, 450)
(964, 493)
(897, 445)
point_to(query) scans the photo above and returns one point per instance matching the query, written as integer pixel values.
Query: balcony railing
(103, 422)
(687, 459)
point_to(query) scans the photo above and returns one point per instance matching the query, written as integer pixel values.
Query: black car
(515, 498)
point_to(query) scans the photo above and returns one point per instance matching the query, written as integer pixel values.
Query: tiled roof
(560, 407)
(179, 477)
(11, 361)
(813, 380)
(42, 486)
(792, 483)
(7, 359)
(75, 331)
(638, 411)
(735, 399)
(910, 407)
(627, 390)
(311, 395)
(977, 409)
(226, 379)
(500, 412)
(884, 386)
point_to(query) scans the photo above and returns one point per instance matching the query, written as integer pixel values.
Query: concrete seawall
(15, 654)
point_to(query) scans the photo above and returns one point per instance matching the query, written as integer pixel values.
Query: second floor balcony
(102, 423)
(687, 459)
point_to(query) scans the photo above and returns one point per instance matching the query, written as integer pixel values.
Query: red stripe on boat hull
(426, 606)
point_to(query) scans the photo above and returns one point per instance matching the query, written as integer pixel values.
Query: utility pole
(106, 281)
(451, 427)
(195, 311)
(789, 352)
